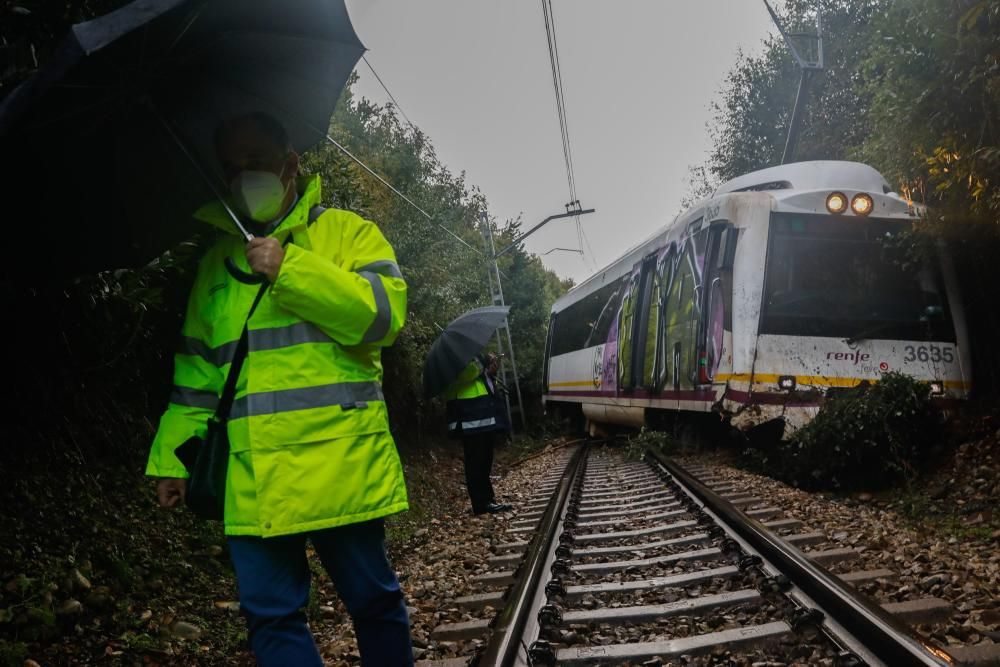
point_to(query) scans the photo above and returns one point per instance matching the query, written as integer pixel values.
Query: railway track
(644, 562)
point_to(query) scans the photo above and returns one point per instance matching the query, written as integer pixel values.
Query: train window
(599, 332)
(580, 325)
(826, 278)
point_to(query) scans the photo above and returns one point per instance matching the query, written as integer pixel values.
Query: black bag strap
(315, 212)
(242, 349)
(243, 346)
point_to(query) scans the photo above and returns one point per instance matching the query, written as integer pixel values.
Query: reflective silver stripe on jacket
(217, 356)
(384, 267)
(348, 395)
(479, 423)
(194, 398)
(294, 334)
(271, 338)
(383, 311)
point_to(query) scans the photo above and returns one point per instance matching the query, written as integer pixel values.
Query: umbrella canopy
(100, 181)
(459, 344)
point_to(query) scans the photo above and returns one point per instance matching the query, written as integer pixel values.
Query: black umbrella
(100, 142)
(459, 344)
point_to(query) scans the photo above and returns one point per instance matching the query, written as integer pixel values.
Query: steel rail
(515, 621)
(883, 635)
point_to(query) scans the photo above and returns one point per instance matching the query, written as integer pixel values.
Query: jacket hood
(308, 188)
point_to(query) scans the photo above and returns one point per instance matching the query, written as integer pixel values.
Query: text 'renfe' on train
(785, 285)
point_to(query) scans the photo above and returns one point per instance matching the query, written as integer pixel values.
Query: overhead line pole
(807, 68)
(496, 293)
(496, 296)
(569, 214)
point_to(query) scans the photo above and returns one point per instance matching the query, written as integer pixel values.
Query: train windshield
(850, 278)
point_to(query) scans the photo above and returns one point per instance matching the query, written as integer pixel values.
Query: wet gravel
(960, 566)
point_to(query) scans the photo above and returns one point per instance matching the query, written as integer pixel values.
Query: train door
(715, 298)
(647, 325)
(626, 334)
(548, 351)
(637, 328)
(680, 314)
(665, 367)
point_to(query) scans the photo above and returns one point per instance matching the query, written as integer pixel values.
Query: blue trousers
(274, 582)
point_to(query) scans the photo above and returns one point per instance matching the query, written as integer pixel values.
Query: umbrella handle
(243, 276)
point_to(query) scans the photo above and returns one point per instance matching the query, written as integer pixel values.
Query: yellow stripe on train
(818, 380)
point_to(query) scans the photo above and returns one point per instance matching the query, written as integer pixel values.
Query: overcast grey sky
(638, 78)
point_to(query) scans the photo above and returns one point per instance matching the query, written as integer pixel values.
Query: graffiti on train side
(665, 335)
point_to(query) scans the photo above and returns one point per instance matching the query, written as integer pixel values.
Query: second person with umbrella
(474, 415)
(457, 367)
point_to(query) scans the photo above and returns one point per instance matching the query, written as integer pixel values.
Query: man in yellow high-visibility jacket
(311, 453)
(473, 415)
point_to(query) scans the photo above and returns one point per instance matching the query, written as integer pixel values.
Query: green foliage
(912, 88)
(751, 120)
(866, 437)
(637, 443)
(12, 653)
(934, 80)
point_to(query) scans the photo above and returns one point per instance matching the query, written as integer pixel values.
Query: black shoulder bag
(207, 460)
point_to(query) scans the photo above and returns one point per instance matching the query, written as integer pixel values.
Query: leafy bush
(866, 437)
(637, 443)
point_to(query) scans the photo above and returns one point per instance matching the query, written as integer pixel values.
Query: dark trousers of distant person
(478, 455)
(274, 580)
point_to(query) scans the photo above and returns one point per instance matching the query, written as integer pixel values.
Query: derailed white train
(783, 286)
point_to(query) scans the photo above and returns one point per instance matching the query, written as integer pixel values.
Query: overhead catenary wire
(590, 250)
(567, 146)
(343, 149)
(389, 93)
(357, 160)
(560, 98)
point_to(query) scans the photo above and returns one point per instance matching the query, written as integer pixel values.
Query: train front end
(847, 295)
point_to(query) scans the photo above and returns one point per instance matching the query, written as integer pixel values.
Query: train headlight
(836, 202)
(786, 382)
(937, 388)
(862, 204)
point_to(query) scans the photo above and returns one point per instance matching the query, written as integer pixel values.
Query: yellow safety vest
(470, 406)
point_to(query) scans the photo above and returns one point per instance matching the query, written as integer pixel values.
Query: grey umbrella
(459, 344)
(113, 137)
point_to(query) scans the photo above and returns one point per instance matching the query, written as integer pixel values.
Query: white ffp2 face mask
(259, 194)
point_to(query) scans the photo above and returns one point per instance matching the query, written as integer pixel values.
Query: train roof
(814, 175)
(780, 182)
